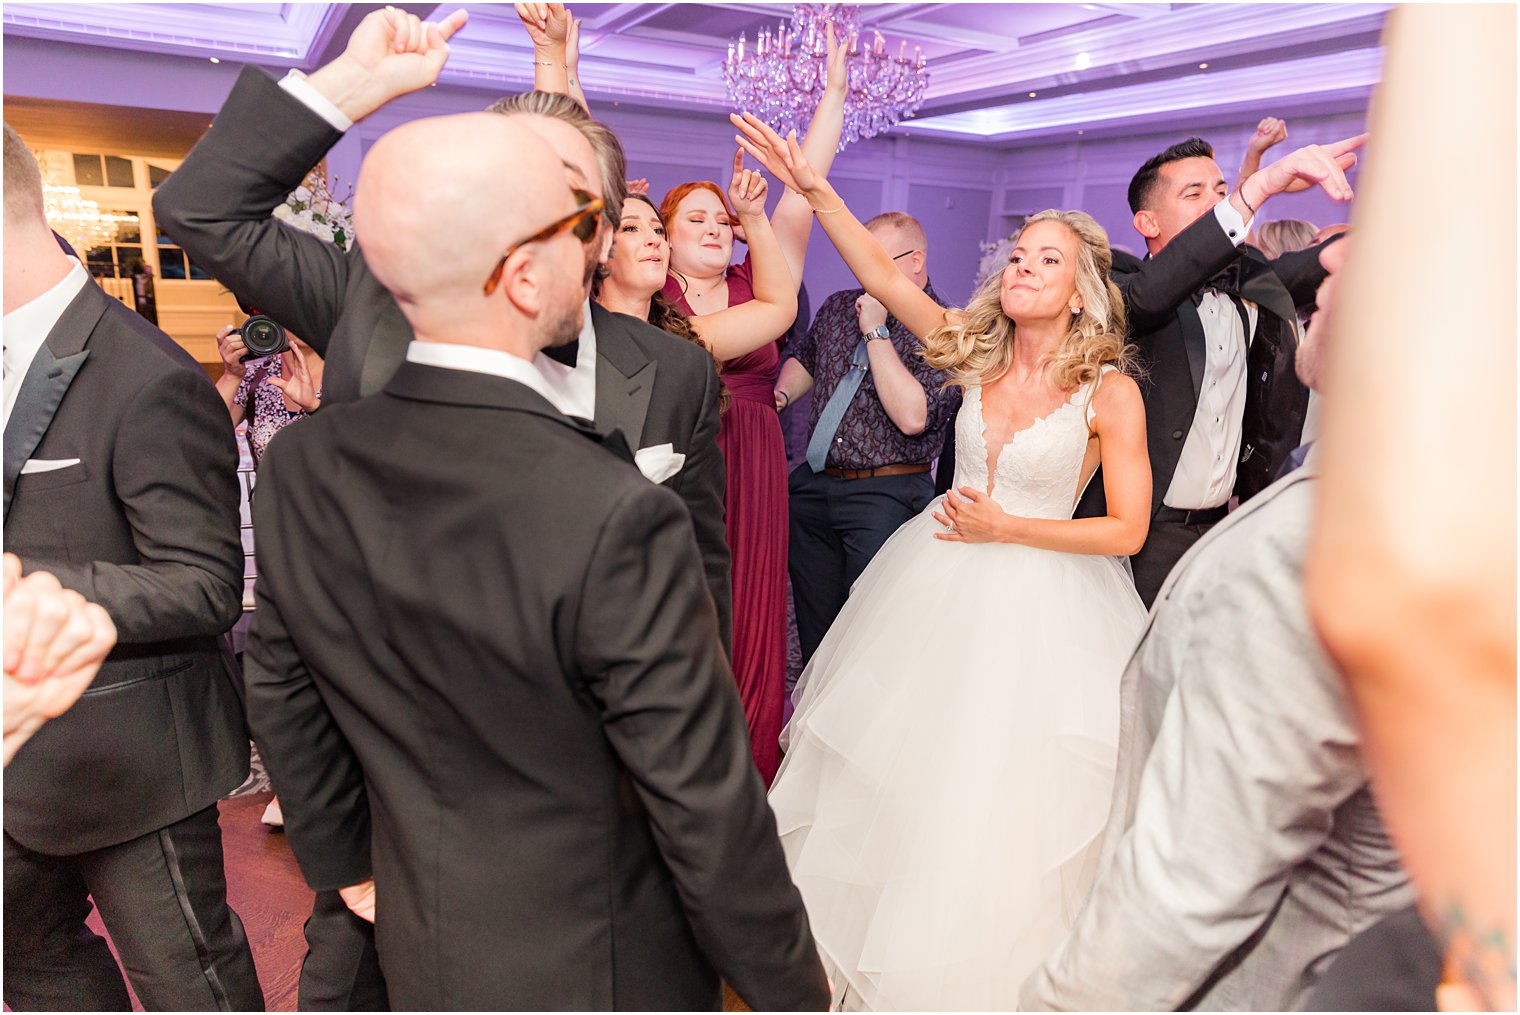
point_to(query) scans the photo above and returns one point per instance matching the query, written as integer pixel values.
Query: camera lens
(263, 336)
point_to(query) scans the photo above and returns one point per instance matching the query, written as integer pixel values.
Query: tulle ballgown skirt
(948, 769)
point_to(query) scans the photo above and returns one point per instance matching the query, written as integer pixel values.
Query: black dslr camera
(263, 336)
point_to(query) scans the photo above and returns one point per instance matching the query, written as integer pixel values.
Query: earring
(1075, 311)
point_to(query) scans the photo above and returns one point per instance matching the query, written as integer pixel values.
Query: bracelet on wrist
(1243, 201)
(787, 399)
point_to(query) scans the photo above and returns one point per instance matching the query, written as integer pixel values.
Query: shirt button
(1176, 435)
(838, 440)
(1263, 377)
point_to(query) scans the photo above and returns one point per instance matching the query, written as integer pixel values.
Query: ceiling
(1089, 66)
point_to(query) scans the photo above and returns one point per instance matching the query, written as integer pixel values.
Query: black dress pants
(162, 896)
(341, 971)
(837, 525)
(1164, 547)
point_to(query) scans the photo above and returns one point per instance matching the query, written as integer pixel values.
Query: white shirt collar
(574, 387)
(29, 325)
(451, 356)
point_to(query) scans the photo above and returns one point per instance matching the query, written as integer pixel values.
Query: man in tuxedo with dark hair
(624, 374)
(484, 670)
(1216, 329)
(120, 480)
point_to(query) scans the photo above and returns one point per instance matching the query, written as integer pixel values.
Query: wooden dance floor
(265, 887)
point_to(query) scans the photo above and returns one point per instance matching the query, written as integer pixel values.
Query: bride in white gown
(949, 765)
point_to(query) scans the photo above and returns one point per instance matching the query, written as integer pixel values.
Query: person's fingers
(280, 382)
(759, 156)
(50, 612)
(12, 571)
(75, 630)
(738, 163)
(100, 635)
(1350, 144)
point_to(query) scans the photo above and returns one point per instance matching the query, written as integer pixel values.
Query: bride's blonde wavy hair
(979, 349)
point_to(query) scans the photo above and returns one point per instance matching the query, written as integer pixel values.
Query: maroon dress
(755, 503)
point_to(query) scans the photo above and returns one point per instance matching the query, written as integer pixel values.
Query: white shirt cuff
(295, 83)
(1229, 220)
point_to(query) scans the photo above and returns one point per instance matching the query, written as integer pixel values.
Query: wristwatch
(880, 331)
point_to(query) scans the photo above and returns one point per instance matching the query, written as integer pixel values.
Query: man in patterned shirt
(877, 422)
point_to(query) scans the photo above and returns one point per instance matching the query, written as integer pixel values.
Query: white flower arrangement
(312, 208)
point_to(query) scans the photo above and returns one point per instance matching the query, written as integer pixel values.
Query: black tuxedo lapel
(624, 379)
(1194, 343)
(47, 380)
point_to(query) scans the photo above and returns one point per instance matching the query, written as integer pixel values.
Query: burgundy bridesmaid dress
(754, 454)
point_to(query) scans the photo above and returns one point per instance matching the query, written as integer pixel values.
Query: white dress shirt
(574, 387)
(475, 359)
(1205, 475)
(28, 326)
(571, 389)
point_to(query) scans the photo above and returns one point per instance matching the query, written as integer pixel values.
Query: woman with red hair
(702, 281)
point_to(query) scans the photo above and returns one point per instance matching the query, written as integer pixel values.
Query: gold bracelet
(830, 211)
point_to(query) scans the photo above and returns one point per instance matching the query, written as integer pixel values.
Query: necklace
(722, 279)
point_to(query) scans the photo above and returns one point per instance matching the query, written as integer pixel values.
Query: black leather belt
(1202, 516)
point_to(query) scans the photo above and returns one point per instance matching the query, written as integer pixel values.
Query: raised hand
(781, 156)
(547, 24)
(1270, 131)
(836, 71)
(1322, 165)
(639, 186)
(746, 191)
(296, 384)
(390, 54)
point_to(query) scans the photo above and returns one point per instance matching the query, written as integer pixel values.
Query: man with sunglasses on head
(877, 420)
(482, 672)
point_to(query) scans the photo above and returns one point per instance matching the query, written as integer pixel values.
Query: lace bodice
(1040, 466)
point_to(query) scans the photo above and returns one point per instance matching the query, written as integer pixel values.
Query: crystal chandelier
(78, 219)
(780, 77)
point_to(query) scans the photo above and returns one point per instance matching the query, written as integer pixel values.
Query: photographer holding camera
(271, 390)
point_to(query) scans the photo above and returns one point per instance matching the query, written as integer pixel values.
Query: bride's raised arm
(867, 258)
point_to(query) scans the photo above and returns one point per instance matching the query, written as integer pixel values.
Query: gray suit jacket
(1243, 849)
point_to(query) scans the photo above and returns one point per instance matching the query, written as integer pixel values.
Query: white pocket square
(47, 465)
(660, 462)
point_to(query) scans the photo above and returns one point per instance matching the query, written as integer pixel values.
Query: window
(174, 263)
(157, 175)
(117, 258)
(104, 171)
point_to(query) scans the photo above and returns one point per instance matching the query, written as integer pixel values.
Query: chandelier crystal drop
(780, 76)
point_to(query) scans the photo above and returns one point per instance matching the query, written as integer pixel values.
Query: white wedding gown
(948, 768)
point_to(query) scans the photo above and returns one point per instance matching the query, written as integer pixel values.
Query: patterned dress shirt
(867, 437)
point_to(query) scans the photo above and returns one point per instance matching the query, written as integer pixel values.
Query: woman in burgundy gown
(630, 283)
(702, 282)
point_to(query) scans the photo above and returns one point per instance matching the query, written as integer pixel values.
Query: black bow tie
(1226, 283)
(565, 354)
